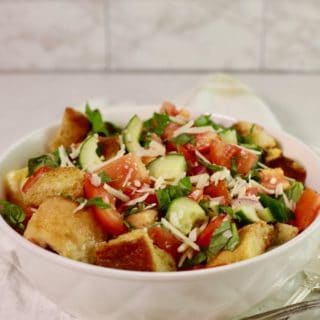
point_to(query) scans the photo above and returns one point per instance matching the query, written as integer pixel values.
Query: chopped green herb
(97, 202)
(210, 166)
(225, 237)
(234, 168)
(157, 123)
(295, 191)
(277, 207)
(12, 214)
(104, 177)
(205, 120)
(51, 160)
(95, 118)
(184, 138)
(135, 209)
(226, 209)
(199, 258)
(167, 195)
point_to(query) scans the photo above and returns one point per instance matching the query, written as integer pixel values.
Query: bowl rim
(189, 275)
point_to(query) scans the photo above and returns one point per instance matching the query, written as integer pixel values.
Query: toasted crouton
(74, 128)
(254, 240)
(283, 233)
(71, 234)
(258, 135)
(134, 251)
(56, 182)
(13, 182)
(109, 146)
(143, 219)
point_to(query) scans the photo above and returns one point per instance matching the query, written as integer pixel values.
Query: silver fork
(285, 312)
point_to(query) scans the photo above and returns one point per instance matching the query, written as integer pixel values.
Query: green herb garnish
(51, 160)
(184, 138)
(104, 177)
(277, 207)
(12, 214)
(97, 202)
(210, 166)
(95, 118)
(167, 195)
(205, 120)
(157, 123)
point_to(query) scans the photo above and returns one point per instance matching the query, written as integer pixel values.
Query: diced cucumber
(229, 136)
(265, 215)
(277, 207)
(132, 133)
(247, 214)
(88, 156)
(169, 167)
(185, 214)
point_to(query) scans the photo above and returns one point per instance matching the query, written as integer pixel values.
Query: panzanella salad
(161, 194)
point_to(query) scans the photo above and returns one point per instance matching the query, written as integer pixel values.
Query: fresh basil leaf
(184, 138)
(295, 191)
(277, 207)
(95, 118)
(51, 160)
(218, 239)
(205, 120)
(165, 196)
(234, 240)
(199, 258)
(12, 214)
(157, 123)
(234, 168)
(210, 166)
(97, 202)
(104, 177)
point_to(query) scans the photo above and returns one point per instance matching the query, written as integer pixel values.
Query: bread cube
(134, 251)
(284, 232)
(255, 238)
(71, 234)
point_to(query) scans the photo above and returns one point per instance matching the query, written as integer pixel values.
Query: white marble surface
(291, 40)
(159, 35)
(183, 34)
(52, 35)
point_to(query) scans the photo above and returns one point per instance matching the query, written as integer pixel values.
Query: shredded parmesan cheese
(200, 180)
(220, 175)
(126, 180)
(75, 151)
(137, 200)
(80, 206)
(155, 149)
(64, 159)
(95, 180)
(117, 193)
(180, 235)
(178, 119)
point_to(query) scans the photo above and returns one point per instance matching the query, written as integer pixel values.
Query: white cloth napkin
(222, 94)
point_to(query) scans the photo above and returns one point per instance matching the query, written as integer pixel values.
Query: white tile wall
(144, 35)
(184, 34)
(292, 39)
(50, 35)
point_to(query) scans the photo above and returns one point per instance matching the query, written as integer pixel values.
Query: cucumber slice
(247, 214)
(132, 133)
(88, 156)
(184, 214)
(170, 167)
(229, 136)
(266, 215)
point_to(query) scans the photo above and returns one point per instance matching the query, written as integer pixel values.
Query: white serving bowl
(92, 292)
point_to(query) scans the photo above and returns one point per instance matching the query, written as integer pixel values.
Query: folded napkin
(222, 94)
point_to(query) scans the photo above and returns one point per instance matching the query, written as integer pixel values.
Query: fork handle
(299, 295)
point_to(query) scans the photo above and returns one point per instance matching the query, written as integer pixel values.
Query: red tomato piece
(204, 140)
(197, 170)
(222, 153)
(119, 170)
(219, 190)
(152, 198)
(307, 209)
(205, 236)
(109, 219)
(34, 178)
(188, 152)
(165, 240)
